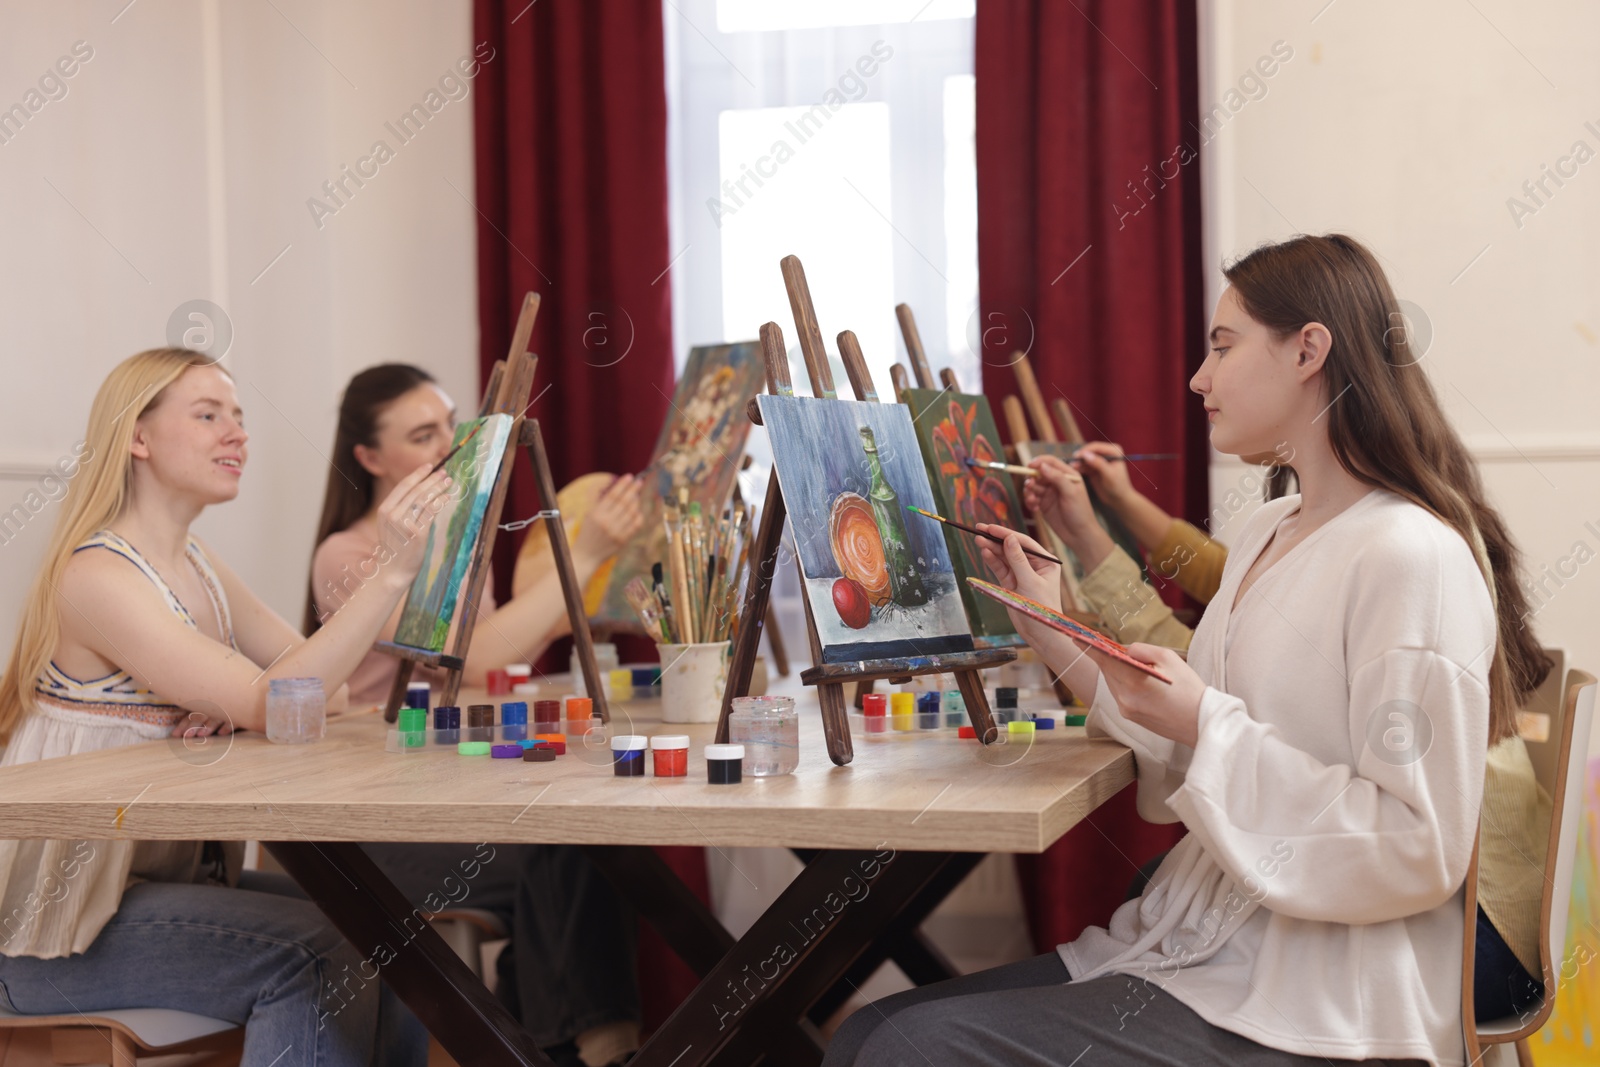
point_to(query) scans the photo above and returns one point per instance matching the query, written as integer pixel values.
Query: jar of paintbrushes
(691, 604)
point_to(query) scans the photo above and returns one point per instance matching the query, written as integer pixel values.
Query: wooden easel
(830, 678)
(947, 379)
(507, 392)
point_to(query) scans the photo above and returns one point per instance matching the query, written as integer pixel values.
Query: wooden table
(900, 826)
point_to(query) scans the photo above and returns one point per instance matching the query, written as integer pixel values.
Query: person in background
(395, 414)
(1113, 585)
(569, 972)
(135, 632)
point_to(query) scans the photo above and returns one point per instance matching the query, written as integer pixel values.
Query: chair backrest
(1567, 798)
(1541, 721)
(1559, 759)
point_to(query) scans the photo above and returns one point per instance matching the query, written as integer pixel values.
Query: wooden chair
(1559, 758)
(118, 1037)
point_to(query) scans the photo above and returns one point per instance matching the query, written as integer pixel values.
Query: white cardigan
(1332, 797)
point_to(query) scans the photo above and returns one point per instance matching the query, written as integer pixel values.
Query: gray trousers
(1023, 1015)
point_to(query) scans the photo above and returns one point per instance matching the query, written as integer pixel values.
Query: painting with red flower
(952, 427)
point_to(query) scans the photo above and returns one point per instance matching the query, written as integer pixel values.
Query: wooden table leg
(659, 896)
(827, 917)
(901, 941)
(413, 959)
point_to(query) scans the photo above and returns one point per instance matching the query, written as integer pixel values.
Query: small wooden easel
(507, 392)
(947, 379)
(830, 678)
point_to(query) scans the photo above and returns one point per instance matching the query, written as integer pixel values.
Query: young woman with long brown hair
(569, 971)
(133, 631)
(1324, 743)
(392, 417)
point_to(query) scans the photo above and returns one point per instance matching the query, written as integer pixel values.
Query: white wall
(1409, 126)
(177, 167)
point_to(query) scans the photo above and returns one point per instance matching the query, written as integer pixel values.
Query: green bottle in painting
(905, 584)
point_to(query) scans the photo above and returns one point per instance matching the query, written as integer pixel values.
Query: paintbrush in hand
(978, 533)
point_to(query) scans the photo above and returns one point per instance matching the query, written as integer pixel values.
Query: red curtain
(571, 147)
(571, 131)
(1089, 258)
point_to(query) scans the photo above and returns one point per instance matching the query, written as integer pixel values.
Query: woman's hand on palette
(1172, 711)
(617, 515)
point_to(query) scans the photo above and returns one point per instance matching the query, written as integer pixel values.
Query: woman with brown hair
(569, 972)
(392, 417)
(1324, 744)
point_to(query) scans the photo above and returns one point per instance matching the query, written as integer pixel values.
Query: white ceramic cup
(692, 680)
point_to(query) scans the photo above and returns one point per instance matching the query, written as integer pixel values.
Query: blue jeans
(255, 955)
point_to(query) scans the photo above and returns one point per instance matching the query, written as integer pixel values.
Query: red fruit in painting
(850, 601)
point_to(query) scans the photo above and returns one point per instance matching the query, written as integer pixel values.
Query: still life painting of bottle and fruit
(879, 579)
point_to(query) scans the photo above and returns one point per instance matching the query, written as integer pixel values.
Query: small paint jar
(646, 682)
(579, 712)
(1020, 729)
(619, 683)
(724, 764)
(446, 724)
(1005, 697)
(519, 673)
(955, 708)
(511, 751)
(480, 722)
(413, 727)
(499, 683)
(297, 710)
(473, 748)
(670, 754)
(546, 716)
(627, 755)
(875, 710)
(928, 711)
(901, 710)
(514, 720)
(418, 695)
(769, 729)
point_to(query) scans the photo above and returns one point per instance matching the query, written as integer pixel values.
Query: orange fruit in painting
(858, 547)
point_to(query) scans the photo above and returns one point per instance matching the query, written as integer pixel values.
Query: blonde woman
(134, 632)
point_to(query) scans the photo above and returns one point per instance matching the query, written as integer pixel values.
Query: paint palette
(1057, 621)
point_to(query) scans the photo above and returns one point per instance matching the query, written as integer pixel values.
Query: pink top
(342, 563)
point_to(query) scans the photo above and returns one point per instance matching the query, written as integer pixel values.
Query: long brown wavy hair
(1387, 428)
(349, 492)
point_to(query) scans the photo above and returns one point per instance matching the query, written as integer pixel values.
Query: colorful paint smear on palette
(877, 586)
(952, 427)
(700, 446)
(1571, 1037)
(1054, 619)
(431, 604)
(1031, 450)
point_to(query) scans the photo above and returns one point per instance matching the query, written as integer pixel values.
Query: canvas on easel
(699, 449)
(431, 603)
(952, 427)
(878, 579)
(830, 678)
(441, 607)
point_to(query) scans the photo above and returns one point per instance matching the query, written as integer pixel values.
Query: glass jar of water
(297, 710)
(769, 730)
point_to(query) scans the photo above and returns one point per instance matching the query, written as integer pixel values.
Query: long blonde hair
(94, 497)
